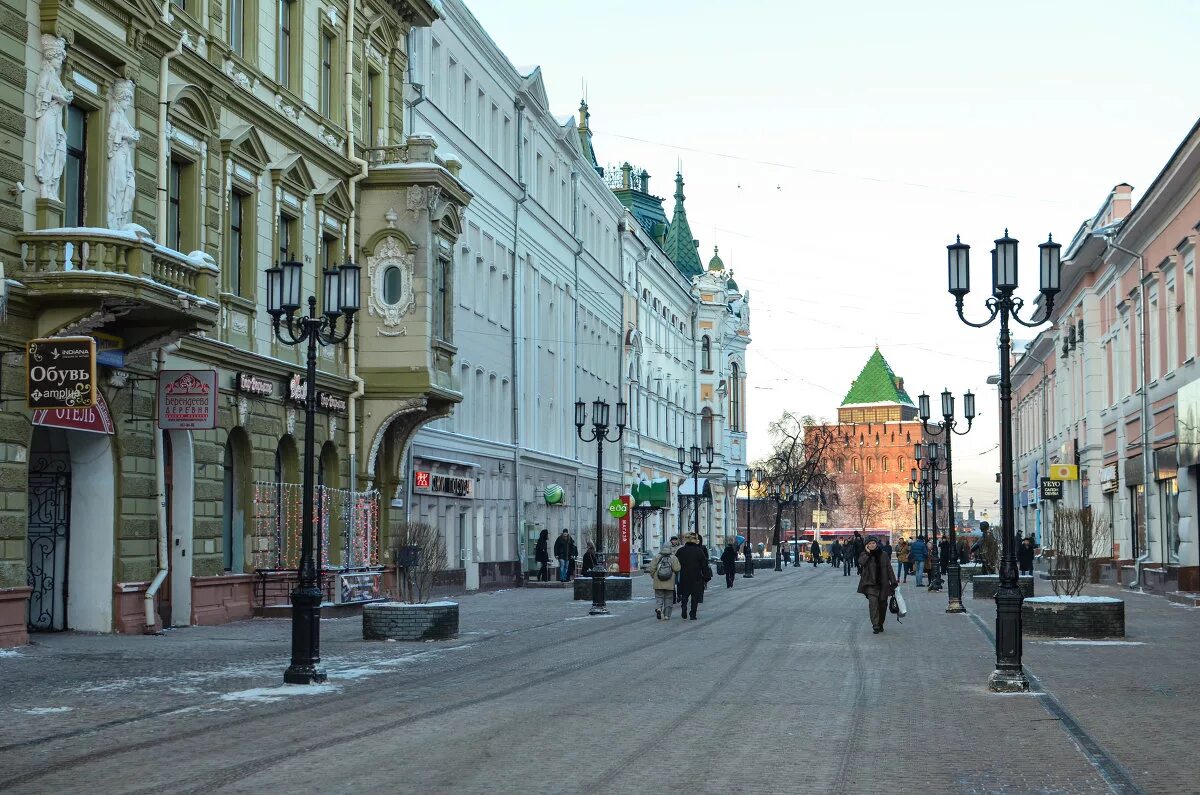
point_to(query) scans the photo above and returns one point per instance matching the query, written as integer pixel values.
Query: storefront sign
(448, 485)
(60, 373)
(335, 404)
(110, 350)
(624, 536)
(96, 419)
(249, 384)
(1063, 472)
(1051, 489)
(187, 400)
(1108, 478)
(296, 391)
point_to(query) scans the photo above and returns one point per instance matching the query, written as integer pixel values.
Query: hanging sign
(448, 485)
(60, 373)
(1051, 489)
(617, 508)
(187, 400)
(1063, 472)
(624, 537)
(96, 419)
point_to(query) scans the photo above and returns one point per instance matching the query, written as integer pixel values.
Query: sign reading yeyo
(60, 373)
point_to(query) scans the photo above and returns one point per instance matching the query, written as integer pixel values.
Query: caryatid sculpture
(51, 98)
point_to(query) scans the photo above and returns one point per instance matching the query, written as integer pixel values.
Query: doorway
(49, 530)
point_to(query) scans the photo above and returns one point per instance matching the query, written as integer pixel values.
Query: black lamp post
(283, 300)
(1009, 674)
(749, 483)
(599, 435)
(914, 496)
(689, 460)
(780, 497)
(929, 462)
(948, 427)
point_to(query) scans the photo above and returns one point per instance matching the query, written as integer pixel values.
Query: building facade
(159, 159)
(1111, 386)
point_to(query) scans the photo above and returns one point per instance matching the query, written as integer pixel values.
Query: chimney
(645, 175)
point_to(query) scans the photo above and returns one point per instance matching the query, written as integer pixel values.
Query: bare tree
(418, 550)
(799, 464)
(1078, 534)
(862, 504)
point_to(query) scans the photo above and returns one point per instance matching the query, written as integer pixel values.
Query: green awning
(652, 493)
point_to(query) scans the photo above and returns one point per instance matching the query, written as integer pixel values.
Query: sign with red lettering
(624, 536)
(187, 400)
(95, 419)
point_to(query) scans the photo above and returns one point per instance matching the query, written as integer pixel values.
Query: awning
(651, 493)
(687, 488)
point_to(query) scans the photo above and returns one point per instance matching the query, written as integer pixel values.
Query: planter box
(616, 589)
(400, 621)
(968, 571)
(1073, 617)
(984, 586)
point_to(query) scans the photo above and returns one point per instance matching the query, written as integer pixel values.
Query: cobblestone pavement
(779, 687)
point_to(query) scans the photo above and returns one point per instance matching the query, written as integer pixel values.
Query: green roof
(585, 137)
(877, 384)
(680, 245)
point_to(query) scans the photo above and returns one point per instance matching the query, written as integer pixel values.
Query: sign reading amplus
(60, 373)
(187, 400)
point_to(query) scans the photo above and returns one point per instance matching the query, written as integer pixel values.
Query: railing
(69, 250)
(273, 587)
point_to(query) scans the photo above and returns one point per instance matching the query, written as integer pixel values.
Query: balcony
(72, 272)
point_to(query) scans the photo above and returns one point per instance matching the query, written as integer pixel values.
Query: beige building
(157, 159)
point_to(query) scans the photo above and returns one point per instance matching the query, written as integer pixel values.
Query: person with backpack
(729, 564)
(662, 578)
(541, 555)
(694, 572)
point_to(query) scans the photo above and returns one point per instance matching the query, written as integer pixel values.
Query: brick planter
(984, 586)
(969, 571)
(616, 589)
(1074, 617)
(399, 621)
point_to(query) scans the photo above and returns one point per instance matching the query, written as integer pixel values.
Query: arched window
(706, 428)
(870, 464)
(706, 354)
(883, 463)
(899, 463)
(841, 465)
(735, 397)
(854, 465)
(329, 527)
(286, 520)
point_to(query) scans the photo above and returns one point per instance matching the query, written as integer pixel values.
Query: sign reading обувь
(60, 373)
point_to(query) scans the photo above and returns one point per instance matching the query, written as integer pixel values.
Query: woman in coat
(876, 581)
(589, 560)
(664, 590)
(541, 555)
(902, 559)
(1025, 556)
(816, 553)
(729, 564)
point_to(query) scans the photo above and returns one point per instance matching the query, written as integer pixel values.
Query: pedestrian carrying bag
(663, 570)
(896, 605)
(706, 572)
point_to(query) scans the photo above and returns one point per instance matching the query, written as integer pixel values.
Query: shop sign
(1063, 472)
(187, 400)
(110, 350)
(617, 508)
(624, 537)
(60, 373)
(250, 384)
(96, 419)
(297, 392)
(448, 485)
(1051, 489)
(1109, 480)
(330, 402)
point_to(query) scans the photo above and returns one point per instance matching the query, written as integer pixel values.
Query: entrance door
(49, 529)
(164, 590)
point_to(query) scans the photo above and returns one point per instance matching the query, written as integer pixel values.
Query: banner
(624, 538)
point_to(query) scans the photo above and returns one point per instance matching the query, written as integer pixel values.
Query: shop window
(1168, 491)
(234, 508)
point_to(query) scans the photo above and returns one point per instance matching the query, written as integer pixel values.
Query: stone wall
(1074, 619)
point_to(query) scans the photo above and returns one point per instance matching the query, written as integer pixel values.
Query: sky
(832, 150)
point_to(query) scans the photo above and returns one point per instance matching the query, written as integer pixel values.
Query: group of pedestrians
(565, 553)
(680, 573)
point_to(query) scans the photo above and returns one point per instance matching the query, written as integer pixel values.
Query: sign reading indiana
(187, 400)
(60, 373)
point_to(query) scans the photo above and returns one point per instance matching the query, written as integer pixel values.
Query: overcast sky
(832, 150)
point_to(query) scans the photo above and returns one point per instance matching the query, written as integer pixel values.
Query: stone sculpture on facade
(51, 138)
(122, 141)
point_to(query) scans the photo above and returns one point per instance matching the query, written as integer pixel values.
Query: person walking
(564, 552)
(589, 560)
(748, 553)
(675, 547)
(917, 553)
(835, 553)
(847, 557)
(663, 572)
(1025, 556)
(693, 563)
(876, 581)
(902, 559)
(944, 555)
(858, 547)
(729, 563)
(816, 553)
(541, 555)
(785, 552)
(988, 549)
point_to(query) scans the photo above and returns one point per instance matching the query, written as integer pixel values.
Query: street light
(778, 496)
(599, 435)
(690, 460)
(914, 496)
(930, 463)
(947, 427)
(1009, 674)
(283, 300)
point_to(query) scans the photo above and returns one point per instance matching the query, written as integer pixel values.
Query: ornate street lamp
(948, 427)
(1009, 674)
(283, 300)
(930, 464)
(599, 435)
(914, 496)
(689, 460)
(778, 496)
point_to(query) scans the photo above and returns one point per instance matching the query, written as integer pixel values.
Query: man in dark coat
(692, 562)
(835, 553)
(729, 563)
(876, 581)
(541, 556)
(1025, 556)
(816, 552)
(748, 553)
(944, 554)
(565, 551)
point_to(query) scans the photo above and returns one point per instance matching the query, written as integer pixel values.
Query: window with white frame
(1172, 326)
(1154, 332)
(1189, 303)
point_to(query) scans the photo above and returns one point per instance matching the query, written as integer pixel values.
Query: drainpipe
(518, 514)
(160, 496)
(164, 153)
(351, 245)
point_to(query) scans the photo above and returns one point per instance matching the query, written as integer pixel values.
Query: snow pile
(413, 604)
(267, 695)
(9, 653)
(44, 710)
(1073, 642)
(1107, 600)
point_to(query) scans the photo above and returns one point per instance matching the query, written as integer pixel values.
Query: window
(1189, 303)
(283, 55)
(735, 397)
(1169, 491)
(854, 465)
(287, 237)
(706, 428)
(328, 54)
(706, 354)
(870, 464)
(331, 253)
(1155, 334)
(371, 123)
(174, 187)
(75, 173)
(180, 4)
(900, 463)
(237, 26)
(1172, 329)
(883, 463)
(393, 285)
(235, 253)
(442, 301)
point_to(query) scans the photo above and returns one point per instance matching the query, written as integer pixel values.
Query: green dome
(715, 264)
(731, 285)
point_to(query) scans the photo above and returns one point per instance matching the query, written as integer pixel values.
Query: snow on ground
(1074, 642)
(1075, 599)
(9, 653)
(267, 695)
(43, 710)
